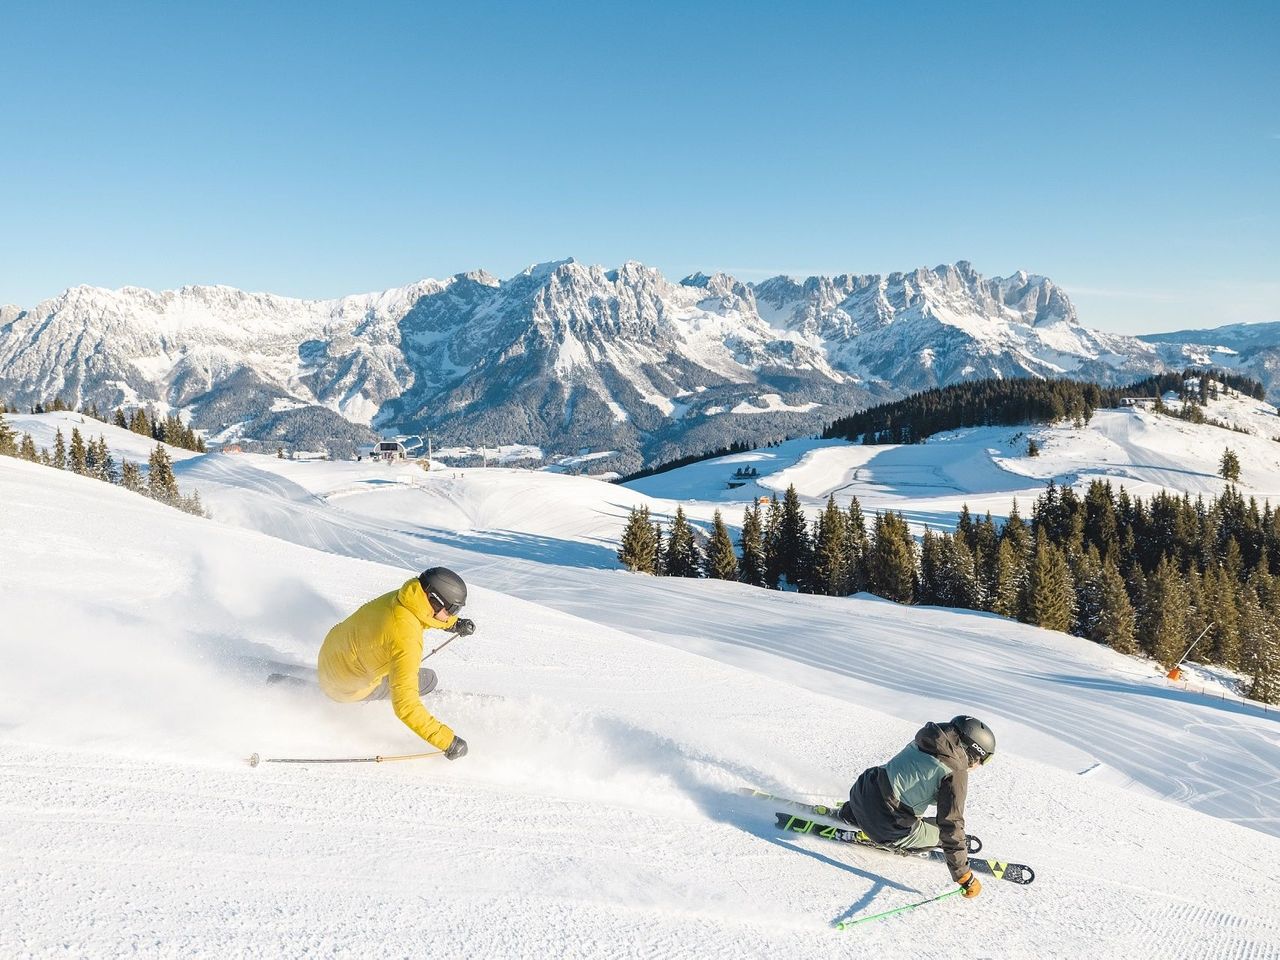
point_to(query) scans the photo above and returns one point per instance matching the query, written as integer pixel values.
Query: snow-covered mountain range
(1251, 348)
(563, 355)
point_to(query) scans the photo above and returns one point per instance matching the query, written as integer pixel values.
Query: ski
(824, 810)
(817, 809)
(1000, 869)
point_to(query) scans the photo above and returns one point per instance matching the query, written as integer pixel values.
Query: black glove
(464, 628)
(456, 749)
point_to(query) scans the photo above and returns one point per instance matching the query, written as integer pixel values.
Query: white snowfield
(611, 718)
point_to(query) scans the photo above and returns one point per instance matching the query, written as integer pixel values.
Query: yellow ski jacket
(384, 638)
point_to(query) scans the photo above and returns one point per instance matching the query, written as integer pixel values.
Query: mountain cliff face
(562, 355)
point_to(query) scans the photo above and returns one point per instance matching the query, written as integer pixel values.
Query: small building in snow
(389, 451)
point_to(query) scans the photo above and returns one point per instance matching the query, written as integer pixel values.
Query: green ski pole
(846, 924)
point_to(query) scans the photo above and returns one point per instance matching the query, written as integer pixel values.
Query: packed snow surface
(611, 718)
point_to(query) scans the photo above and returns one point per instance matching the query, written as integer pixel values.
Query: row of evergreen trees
(1017, 401)
(738, 446)
(1140, 576)
(168, 429)
(93, 458)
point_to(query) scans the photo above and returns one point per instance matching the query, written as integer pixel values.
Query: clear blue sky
(1130, 151)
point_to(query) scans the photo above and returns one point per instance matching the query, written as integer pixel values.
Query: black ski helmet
(444, 588)
(979, 742)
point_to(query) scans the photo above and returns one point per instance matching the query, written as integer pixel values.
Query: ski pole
(442, 646)
(846, 924)
(254, 759)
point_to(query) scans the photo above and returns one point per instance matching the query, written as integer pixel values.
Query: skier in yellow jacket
(376, 652)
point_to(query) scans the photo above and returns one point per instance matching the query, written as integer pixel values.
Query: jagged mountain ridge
(563, 354)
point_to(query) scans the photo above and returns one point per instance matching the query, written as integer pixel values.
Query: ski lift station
(393, 449)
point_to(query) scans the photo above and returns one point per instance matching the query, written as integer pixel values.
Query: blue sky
(1132, 153)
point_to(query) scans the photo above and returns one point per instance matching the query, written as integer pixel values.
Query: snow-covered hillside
(611, 718)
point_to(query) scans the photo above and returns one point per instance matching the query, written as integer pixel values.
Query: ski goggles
(977, 753)
(437, 603)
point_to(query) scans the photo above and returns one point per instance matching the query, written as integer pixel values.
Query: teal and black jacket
(887, 801)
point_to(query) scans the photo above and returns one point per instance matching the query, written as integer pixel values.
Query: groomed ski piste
(611, 717)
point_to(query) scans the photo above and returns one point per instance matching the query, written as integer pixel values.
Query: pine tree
(752, 569)
(139, 423)
(27, 449)
(1100, 518)
(105, 468)
(193, 506)
(1050, 595)
(1116, 621)
(1135, 582)
(1197, 621)
(1229, 465)
(930, 562)
(8, 439)
(1220, 598)
(722, 562)
(1011, 563)
(772, 550)
(131, 477)
(1015, 529)
(1163, 632)
(829, 574)
(793, 545)
(1086, 574)
(1261, 638)
(856, 545)
(891, 563)
(91, 458)
(118, 419)
(957, 579)
(639, 549)
(965, 527)
(684, 558)
(161, 483)
(77, 457)
(986, 546)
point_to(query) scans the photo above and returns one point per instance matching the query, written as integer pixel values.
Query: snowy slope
(610, 717)
(987, 467)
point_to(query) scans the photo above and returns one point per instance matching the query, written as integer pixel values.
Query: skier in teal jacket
(888, 802)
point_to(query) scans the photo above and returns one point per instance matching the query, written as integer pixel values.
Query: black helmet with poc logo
(979, 742)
